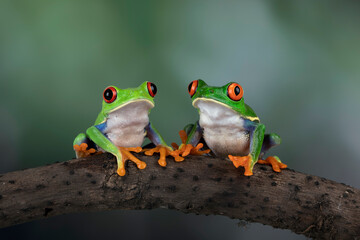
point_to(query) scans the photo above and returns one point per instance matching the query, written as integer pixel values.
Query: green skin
(250, 122)
(96, 133)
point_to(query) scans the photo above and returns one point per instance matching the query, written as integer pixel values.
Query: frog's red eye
(152, 89)
(110, 94)
(192, 87)
(235, 92)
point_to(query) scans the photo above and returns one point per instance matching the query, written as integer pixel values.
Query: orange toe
(91, 150)
(244, 161)
(175, 146)
(183, 136)
(83, 146)
(141, 165)
(162, 162)
(149, 153)
(187, 150)
(179, 159)
(121, 172)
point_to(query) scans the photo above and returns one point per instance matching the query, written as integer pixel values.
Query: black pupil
(189, 87)
(108, 94)
(153, 88)
(237, 90)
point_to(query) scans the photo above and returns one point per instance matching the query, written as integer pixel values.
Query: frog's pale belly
(224, 131)
(227, 142)
(125, 127)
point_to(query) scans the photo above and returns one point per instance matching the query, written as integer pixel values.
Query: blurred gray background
(298, 62)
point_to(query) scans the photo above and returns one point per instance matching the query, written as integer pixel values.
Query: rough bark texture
(308, 205)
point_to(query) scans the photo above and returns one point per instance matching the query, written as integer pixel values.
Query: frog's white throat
(216, 112)
(125, 126)
(223, 128)
(133, 103)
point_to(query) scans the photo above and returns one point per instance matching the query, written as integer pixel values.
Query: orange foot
(126, 155)
(164, 152)
(186, 149)
(82, 151)
(274, 162)
(244, 161)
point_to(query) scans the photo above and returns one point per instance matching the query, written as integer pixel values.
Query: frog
(228, 127)
(121, 127)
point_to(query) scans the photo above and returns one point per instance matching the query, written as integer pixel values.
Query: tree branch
(308, 205)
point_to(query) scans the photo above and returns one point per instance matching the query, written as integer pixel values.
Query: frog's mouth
(213, 107)
(134, 103)
(196, 102)
(214, 110)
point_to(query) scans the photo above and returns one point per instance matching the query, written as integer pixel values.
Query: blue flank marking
(101, 127)
(152, 135)
(197, 135)
(249, 125)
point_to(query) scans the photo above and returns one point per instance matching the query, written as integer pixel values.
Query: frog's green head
(230, 96)
(116, 98)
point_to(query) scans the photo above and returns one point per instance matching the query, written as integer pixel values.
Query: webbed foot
(186, 149)
(164, 152)
(126, 155)
(244, 161)
(275, 162)
(82, 151)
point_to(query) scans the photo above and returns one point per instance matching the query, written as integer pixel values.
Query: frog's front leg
(122, 154)
(271, 140)
(161, 146)
(257, 132)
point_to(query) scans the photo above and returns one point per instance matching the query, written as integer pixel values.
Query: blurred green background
(298, 62)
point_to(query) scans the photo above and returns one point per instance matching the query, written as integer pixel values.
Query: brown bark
(308, 205)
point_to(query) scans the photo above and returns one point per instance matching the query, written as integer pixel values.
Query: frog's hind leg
(83, 146)
(275, 162)
(271, 140)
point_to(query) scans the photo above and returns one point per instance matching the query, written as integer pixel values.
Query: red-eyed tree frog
(229, 127)
(122, 125)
